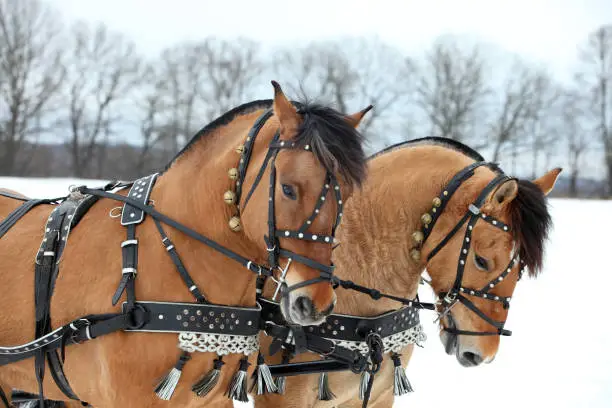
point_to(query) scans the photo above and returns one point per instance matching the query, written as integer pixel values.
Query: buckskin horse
(246, 185)
(429, 203)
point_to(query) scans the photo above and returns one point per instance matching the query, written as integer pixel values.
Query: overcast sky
(544, 30)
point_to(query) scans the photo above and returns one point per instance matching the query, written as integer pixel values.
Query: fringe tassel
(237, 389)
(209, 381)
(262, 378)
(401, 385)
(325, 393)
(166, 386)
(281, 382)
(363, 384)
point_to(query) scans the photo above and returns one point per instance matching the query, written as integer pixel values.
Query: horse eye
(481, 263)
(288, 191)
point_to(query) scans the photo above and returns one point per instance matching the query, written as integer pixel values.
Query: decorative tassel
(325, 393)
(166, 386)
(209, 381)
(363, 384)
(401, 385)
(262, 378)
(281, 381)
(237, 389)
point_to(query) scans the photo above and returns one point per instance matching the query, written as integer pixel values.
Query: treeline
(80, 100)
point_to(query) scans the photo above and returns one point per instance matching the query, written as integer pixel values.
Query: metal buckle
(473, 209)
(248, 266)
(281, 279)
(75, 328)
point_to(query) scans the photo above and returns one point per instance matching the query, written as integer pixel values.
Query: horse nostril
(304, 306)
(473, 358)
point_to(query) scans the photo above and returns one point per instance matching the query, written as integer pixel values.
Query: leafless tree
(31, 72)
(452, 88)
(596, 78)
(199, 81)
(102, 69)
(350, 74)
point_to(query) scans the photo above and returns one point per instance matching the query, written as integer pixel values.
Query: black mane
(336, 144)
(531, 223)
(435, 141)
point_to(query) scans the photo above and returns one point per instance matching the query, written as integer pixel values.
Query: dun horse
(248, 181)
(428, 204)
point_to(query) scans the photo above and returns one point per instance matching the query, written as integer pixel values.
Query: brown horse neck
(191, 191)
(378, 222)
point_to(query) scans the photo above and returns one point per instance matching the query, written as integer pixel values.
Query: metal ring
(111, 212)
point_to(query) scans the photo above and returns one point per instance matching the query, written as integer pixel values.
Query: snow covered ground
(560, 353)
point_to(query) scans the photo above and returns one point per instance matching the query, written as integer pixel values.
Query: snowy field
(560, 352)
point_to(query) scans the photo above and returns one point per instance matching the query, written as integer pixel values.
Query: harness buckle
(258, 271)
(473, 209)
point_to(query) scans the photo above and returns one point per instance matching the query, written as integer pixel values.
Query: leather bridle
(272, 238)
(457, 293)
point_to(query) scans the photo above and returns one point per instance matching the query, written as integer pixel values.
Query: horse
(246, 185)
(433, 206)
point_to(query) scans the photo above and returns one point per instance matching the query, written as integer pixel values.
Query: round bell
(418, 236)
(240, 149)
(229, 197)
(426, 218)
(437, 202)
(233, 173)
(234, 224)
(415, 254)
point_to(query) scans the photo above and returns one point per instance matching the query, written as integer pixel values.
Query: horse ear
(547, 182)
(285, 111)
(355, 118)
(505, 192)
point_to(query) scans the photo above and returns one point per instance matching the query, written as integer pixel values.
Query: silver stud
(491, 285)
(192, 318)
(48, 229)
(222, 326)
(286, 233)
(507, 299)
(307, 147)
(185, 324)
(185, 312)
(300, 235)
(467, 239)
(282, 143)
(322, 198)
(249, 323)
(199, 313)
(341, 328)
(484, 296)
(501, 278)
(334, 333)
(314, 237)
(336, 188)
(237, 322)
(233, 315)
(496, 297)
(326, 239)
(471, 292)
(327, 186)
(445, 193)
(484, 216)
(508, 270)
(379, 329)
(310, 329)
(465, 251)
(462, 289)
(179, 317)
(308, 222)
(470, 227)
(340, 202)
(317, 211)
(132, 215)
(462, 262)
(494, 222)
(505, 228)
(210, 326)
(211, 313)
(160, 317)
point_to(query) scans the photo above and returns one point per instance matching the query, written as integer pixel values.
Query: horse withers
(431, 204)
(262, 186)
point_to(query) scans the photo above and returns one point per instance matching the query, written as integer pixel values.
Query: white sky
(545, 30)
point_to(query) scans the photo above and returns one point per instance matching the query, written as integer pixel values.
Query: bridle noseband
(272, 238)
(457, 292)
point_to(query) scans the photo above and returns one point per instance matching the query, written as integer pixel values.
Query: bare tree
(350, 74)
(102, 70)
(199, 81)
(452, 88)
(596, 78)
(31, 72)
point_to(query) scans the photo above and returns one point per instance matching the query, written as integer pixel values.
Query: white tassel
(166, 386)
(325, 393)
(209, 381)
(263, 377)
(363, 384)
(401, 385)
(237, 389)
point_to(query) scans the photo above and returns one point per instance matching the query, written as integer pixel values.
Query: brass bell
(417, 236)
(229, 197)
(233, 173)
(426, 218)
(240, 149)
(415, 254)
(437, 202)
(234, 224)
